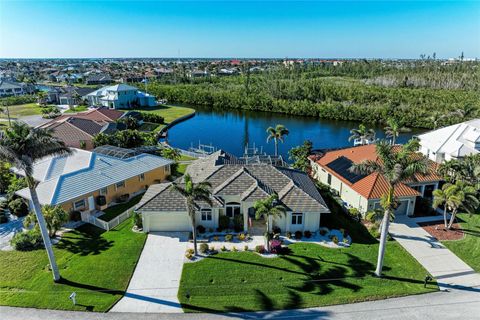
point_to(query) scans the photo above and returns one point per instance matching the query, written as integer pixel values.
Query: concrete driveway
(8, 230)
(448, 269)
(154, 284)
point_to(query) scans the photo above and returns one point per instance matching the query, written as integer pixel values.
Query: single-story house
(98, 78)
(235, 187)
(93, 180)
(452, 142)
(120, 96)
(364, 192)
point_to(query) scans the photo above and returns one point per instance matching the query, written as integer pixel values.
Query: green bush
(14, 100)
(137, 220)
(289, 235)
(223, 222)
(27, 240)
(371, 216)
(203, 248)
(307, 234)
(238, 223)
(260, 249)
(354, 213)
(152, 117)
(18, 207)
(298, 235)
(335, 239)
(228, 238)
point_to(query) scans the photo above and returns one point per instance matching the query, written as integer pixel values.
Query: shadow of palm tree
(85, 241)
(90, 287)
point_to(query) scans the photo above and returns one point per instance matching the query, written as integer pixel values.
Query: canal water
(233, 130)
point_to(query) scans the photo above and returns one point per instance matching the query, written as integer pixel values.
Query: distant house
(78, 130)
(120, 96)
(236, 186)
(12, 88)
(89, 181)
(98, 78)
(364, 192)
(72, 95)
(452, 142)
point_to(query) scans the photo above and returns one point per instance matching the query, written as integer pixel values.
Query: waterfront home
(89, 181)
(120, 96)
(98, 78)
(452, 142)
(77, 130)
(364, 192)
(12, 88)
(236, 186)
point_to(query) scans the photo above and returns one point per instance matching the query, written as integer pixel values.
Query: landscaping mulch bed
(438, 230)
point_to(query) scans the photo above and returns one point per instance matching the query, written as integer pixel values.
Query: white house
(236, 186)
(11, 88)
(120, 96)
(452, 142)
(364, 192)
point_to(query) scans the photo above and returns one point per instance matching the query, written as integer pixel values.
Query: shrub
(307, 234)
(345, 240)
(371, 216)
(191, 251)
(335, 239)
(215, 238)
(27, 240)
(298, 235)
(234, 249)
(241, 237)
(228, 238)
(18, 207)
(200, 229)
(223, 248)
(238, 223)
(152, 117)
(189, 255)
(323, 231)
(276, 246)
(203, 248)
(245, 248)
(3, 218)
(375, 230)
(210, 230)
(289, 235)
(260, 249)
(223, 222)
(75, 215)
(137, 220)
(354, 213)
(276, 230)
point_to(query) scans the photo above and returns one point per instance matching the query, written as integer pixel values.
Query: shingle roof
(251, 182)
(372, 186)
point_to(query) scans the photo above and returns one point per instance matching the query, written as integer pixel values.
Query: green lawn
(22, 110)
(97, 265)
(114, 211)
(77, 109)
(169, 113)
(310, 276)
(468, 248)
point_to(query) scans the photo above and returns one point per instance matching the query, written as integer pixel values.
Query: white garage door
(176, 221)
(402, 208)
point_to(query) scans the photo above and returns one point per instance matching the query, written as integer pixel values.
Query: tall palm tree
(194, 192)
(21, 146)
(277, 134)
(394, 128)
(363, 134)
(454, 197)
(397, 164)
(42, 98)
(267, 208)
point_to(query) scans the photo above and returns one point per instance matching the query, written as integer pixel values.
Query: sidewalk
(449, 270)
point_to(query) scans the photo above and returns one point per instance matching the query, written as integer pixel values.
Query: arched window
(232, 209)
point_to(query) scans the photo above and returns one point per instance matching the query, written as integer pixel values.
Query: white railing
(106, 225)
(118, 219)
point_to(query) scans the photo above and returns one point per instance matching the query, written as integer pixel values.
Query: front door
(91, 203)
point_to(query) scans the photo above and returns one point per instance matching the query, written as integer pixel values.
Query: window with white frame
(120, 184)
(297, 218)
(104, 191)
(206, 214)
(79, 205)
(232, 209)
(141, 177)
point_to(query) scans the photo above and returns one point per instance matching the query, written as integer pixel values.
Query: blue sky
(345, 29)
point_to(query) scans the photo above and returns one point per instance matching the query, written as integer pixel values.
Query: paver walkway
(448, 269)
(154, 284)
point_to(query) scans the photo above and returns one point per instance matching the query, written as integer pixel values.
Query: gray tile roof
(251, 182)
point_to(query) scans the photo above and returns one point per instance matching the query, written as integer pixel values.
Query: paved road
(456, 304)
(448, 269)
(159, 266)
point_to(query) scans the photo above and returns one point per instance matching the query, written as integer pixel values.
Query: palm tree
(267, 208)
(277, 134)
(396, 164)
(42, 98)
(436, 118)
(171, 153)
(21, 146)
(362, 134)
(6, 110)
(394, 128)
(194, 192)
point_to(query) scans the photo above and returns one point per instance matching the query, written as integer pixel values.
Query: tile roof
(252, 182)
(372, 186)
